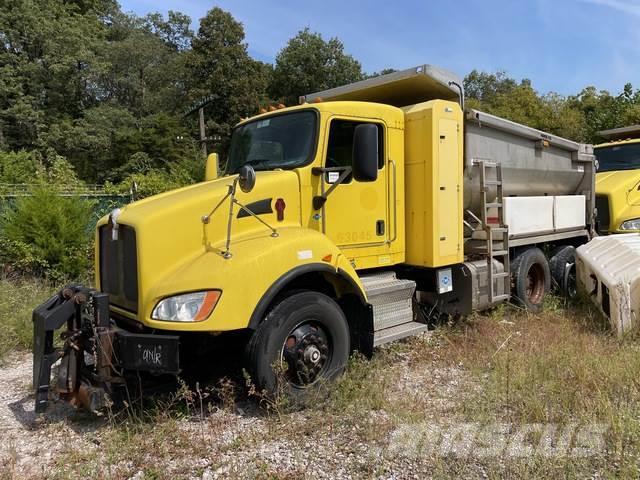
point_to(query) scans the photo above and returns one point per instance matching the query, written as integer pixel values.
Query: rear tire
(306, 336)
(531, 278)
(563, 259)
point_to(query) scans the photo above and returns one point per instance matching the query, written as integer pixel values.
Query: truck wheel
(530, 273)
(306, 336)
(563, 270)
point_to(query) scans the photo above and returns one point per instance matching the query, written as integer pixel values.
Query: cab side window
(340, 147)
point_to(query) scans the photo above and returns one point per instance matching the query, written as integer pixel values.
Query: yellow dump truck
(618, 181)
(356, 218)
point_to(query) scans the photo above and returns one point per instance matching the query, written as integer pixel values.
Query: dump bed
(533, 163)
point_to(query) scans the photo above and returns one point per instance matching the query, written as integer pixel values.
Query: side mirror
(365, 153)
(211, 169)
(247, 178)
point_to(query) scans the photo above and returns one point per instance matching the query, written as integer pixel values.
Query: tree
(47, 234)
(485, 87)
(308, 64)
(174, 31)
(46, 48)
(502, 95)
(219, 66)
(384, 71)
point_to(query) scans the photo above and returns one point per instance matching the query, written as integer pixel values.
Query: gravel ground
(231, 442)
(29, 442)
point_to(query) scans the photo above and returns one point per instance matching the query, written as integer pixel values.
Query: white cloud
(626, 6)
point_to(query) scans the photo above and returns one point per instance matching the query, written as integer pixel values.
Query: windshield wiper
(257, 163)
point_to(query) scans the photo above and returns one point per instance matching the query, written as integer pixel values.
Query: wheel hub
(312, 355)
(306, 352)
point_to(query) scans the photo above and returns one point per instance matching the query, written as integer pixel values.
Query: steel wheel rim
(306, 354)
(535, 283)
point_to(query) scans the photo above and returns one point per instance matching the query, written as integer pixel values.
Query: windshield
(618, 157)
(279, 141)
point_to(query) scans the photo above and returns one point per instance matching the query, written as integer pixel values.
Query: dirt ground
(405, 414)
(237, 441)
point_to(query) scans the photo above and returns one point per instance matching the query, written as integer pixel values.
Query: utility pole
(203, 131)
(199, 106)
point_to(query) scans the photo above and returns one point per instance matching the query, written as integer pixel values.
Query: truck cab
(618, 181)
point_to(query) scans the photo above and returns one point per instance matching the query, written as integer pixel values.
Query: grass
(504, 367)
(18, 298)
(561, 367)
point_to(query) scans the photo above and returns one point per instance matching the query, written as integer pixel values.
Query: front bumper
(96, 354)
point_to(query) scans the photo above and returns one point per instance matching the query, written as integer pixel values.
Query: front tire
(306, 337)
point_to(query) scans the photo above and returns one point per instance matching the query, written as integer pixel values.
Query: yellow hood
(621, 183)
(169, 231)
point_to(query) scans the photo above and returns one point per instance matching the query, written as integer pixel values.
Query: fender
(266, 300)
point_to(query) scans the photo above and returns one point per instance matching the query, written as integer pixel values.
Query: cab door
(355, 213)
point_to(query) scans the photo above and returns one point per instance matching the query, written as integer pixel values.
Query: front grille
(602, 204)
(119, 266)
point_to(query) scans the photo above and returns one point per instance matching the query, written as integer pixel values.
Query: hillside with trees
(91, 95)
(104, 92)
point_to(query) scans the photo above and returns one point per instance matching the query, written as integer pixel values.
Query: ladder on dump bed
(495, 230)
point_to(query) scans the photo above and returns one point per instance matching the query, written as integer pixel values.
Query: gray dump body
(533, 163)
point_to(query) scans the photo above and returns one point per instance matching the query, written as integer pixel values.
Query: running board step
(399, 331)
(391, 299)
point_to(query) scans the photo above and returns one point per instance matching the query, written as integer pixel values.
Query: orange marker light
(210, 300)
(327, 258)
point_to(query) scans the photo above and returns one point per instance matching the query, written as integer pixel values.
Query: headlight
(188, 307)
(633, 224)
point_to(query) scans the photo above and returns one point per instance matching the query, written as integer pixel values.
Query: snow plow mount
(95, 354)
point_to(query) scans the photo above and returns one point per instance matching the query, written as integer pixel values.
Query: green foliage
(46, 234)
(308, 64)
(29, 168)
(219, 64)
(150, 180)
(18, 298)
(91, 94)
(19, 167)
(577, 117)
(104, 89)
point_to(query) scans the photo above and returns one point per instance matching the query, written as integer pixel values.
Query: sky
(560, 45)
